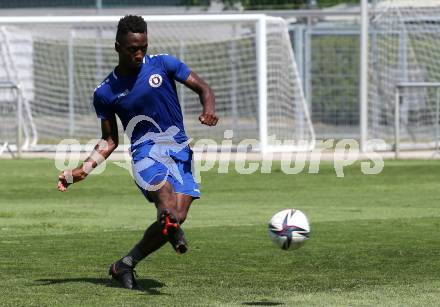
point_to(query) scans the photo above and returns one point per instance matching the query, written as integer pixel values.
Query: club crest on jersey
(155, 80)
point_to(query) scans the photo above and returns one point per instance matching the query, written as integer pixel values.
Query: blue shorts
(151, 171)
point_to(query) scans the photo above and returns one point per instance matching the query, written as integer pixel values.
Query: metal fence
(327, 53)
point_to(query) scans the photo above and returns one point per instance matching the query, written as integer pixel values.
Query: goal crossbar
(417, 84)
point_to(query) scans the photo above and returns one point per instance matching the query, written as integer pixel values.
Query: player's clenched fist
(208, 118)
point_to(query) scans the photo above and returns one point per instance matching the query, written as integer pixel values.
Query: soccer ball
(289, 229)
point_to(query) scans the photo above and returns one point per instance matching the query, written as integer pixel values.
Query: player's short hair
(130, 23)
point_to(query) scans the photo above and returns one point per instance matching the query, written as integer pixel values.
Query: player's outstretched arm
(107, 144)
(207, 99)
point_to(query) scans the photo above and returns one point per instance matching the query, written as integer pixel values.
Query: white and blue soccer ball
(289, 229)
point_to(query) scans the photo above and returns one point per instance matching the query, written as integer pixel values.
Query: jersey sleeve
(103, 110)
(177, 69)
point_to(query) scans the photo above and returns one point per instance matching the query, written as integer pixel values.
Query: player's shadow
(149, 286)
(263, 303)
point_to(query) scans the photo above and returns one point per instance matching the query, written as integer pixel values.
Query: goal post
(246, 58)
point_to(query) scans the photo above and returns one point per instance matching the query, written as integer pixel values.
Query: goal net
(404, 48)
(8, 115)
(247, 59)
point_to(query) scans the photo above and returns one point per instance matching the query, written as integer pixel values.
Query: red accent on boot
(168, 224)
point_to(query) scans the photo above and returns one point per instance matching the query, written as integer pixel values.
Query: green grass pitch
(375, 239)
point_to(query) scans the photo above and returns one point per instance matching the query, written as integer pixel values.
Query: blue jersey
(151, 94)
